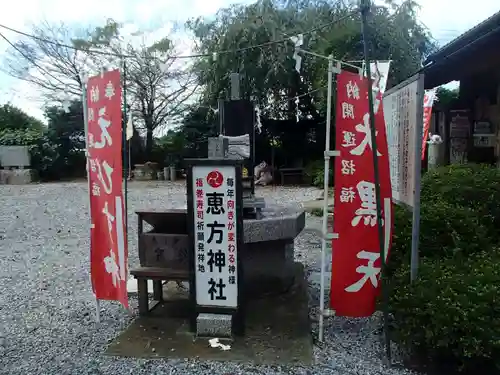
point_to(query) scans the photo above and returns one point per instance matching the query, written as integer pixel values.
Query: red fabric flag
(356, 263)
(108, 248)
(429, 97)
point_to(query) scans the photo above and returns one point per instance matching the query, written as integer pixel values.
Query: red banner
(356, 263)
(108, 248)
(428, 102)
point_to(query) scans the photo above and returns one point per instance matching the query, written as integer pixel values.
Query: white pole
(326, 177)
(87, 154)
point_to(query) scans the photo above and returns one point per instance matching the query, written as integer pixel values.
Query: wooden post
(235, 86)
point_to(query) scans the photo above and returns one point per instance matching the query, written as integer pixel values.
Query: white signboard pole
(403, 111)
(215, 234)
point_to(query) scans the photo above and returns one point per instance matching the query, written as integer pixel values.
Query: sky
(445, 19)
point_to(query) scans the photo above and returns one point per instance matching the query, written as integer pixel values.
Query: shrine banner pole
(365, 10)
(87, 155)
(325, 203)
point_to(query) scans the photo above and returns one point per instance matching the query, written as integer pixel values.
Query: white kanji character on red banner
(110, 218)
(369, 272)
(352, 90)
(348, 167)
(109, 91)
(112, 268)
(347, 195)
(368, 209)
(104, 125)
(96, 190)
(94, 94)
(108, 170)
(349, 139)
(91, 114)
(347, 110)
(367, 140)
(93, 166)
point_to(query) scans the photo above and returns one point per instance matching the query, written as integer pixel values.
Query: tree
(269, 76)
(446, 97)
(158, 85)
(268, 72)
(56, 70)
(66, 131)
(13, 118)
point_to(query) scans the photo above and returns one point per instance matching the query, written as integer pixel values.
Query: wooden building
(470, 126)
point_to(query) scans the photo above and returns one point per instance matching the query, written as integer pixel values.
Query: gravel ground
(47, 321)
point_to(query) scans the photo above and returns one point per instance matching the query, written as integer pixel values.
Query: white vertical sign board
(215, 225)
(402, 108)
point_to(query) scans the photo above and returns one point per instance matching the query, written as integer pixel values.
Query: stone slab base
(16, 176)
(214, 325)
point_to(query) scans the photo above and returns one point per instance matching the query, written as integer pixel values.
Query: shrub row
(450, 317)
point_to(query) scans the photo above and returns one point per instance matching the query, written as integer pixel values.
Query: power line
(215, 53)
(31, 60)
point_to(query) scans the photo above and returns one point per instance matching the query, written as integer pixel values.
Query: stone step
(214, 325)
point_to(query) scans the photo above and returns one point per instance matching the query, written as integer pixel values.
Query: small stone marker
(14, 161)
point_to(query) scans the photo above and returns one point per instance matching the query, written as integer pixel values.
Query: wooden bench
(163, 253)
(157, 274)
(290, 172)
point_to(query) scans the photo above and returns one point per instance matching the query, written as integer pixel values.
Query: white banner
(404, 122)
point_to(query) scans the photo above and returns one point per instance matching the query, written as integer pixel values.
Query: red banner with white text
(356, 263)
(108, 248)
(429, 97)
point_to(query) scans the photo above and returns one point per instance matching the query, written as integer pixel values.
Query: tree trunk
(149, 139)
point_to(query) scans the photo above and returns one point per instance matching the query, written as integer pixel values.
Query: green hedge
(450, 315)
(474, 186)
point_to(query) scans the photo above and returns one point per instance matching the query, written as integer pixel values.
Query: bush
(445, 231)
(451, 316)
(469, 185)
(42, 151)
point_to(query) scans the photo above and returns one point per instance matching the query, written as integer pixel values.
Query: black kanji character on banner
(201, 268)
(217, 259)
(201, 257)
(216, 289)
(215, 229)
(230, 182)
(215, 203)
(230, 193)
(200, 236)
(232, 280)
(231, 269)
(199, 225)
(201, 246)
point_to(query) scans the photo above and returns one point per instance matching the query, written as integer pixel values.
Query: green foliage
(311, 170)
(446, 97)
(319, 178)
(450, 315)
(13, 118)
(445, 231)
(268, 74)
(66, 132)
(469, 185)
(42, 151)
(317, 212)
(169, 149)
